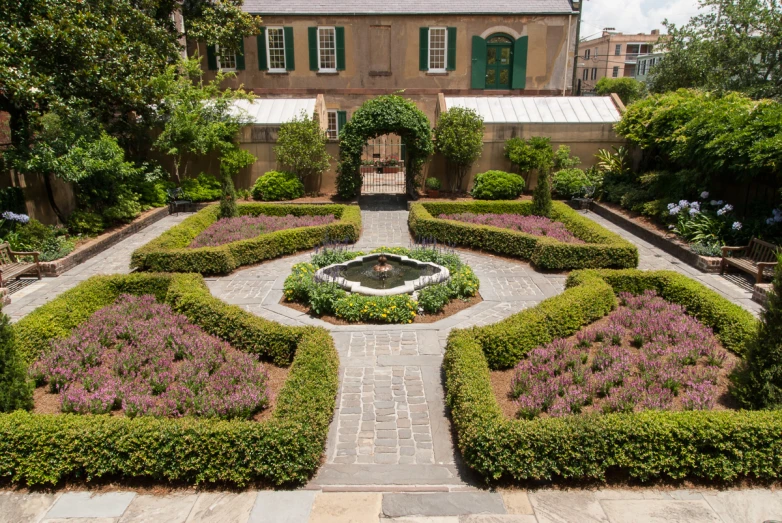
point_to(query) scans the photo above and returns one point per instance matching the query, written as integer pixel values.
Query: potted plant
(390, 165)
(367, 166)
(433, 186)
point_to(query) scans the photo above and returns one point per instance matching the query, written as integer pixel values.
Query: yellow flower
(383, 315)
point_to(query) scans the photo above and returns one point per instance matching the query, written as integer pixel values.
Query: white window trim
(587, 54)
(269, 55)
(594, 73)
(615, 72)
(219, 65)
(328, 69)
(336, 120)
(445, 52)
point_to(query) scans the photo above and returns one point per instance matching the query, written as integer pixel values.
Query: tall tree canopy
(732, 45)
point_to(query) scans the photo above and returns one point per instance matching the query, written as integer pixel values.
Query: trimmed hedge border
(169, 253)
(603, 248)
(284, 449)
(714, 445)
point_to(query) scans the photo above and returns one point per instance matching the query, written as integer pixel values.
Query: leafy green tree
(627, 89)
(458, 136)
(758, 384)
(563, 160)
(15, 389)
(527, 155)
(731, 45)
(301, 147)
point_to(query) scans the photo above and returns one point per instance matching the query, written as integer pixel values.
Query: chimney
(655, 32)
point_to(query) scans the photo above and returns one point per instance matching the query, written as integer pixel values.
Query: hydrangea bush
(535, 225)
(229, 230)
(139, 356)
(649, 354)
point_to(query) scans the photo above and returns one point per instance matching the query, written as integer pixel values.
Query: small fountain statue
(382, 267)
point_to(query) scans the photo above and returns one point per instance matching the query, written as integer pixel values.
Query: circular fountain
(383, 274)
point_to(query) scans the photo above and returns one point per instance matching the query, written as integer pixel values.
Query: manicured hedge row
(169, 252)
(715, 445)
(603, 249)
(285, 449)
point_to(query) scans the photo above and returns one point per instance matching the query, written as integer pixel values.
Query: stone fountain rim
(409, 287)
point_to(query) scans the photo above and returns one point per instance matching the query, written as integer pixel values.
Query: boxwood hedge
(713, 445)
(284, 449)
(603, 248)
(169, 253)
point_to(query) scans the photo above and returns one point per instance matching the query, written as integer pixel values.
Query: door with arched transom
(499, 61)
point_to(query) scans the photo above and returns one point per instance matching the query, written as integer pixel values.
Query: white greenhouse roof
(275, 111)
(539, 109)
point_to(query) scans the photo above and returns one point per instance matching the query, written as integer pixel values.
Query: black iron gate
(383, 166)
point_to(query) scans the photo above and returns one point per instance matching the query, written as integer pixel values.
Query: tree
(458, 136)
(531, 154)
(627, 89)
(15, 389)
(232, 161)
(541, 195)
(732, 45)
(301, 147)
(758, 383)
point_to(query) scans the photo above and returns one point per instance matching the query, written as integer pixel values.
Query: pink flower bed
(230, 230)
(649, 354)
(535, 225)
(139, 356)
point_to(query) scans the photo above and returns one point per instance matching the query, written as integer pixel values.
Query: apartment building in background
(351, 51)
(612, 55)
(646, 63)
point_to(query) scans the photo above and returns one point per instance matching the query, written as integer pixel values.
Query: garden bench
(176, 199)
(11, 266)
(757, 258)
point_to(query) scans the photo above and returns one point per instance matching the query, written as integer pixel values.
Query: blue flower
(684, 203)
(705, 194)
(21, 218)
(675, 210)
(671, 206)
(694, 211)
(736, 226)
(696, 206)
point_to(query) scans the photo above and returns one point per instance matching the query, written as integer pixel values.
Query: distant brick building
(612, 55)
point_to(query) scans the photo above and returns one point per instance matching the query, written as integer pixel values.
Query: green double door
(499, 61)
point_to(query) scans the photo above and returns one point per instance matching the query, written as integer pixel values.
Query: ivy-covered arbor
(388, 114)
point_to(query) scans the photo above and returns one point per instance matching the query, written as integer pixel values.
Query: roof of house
(274, 111)
(539, 109)
(406, 7)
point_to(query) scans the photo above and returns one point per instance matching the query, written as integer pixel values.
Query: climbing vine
(388, 114)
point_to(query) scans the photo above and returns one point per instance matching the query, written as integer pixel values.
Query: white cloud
(639, 16)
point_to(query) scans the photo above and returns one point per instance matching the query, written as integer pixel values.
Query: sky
(633, 16)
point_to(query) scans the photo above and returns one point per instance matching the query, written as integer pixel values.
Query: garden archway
(387, 114)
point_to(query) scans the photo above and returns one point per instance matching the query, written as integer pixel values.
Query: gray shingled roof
(406, 7)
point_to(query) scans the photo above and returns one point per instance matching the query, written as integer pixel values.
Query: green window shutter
(423, 53)
(290, 60)
(211, 58)
(342, 119)
(519, 76)
(451, 66)
(262, 64)
(312, 32)
(240, 56)
(478, 80)
(340, 33)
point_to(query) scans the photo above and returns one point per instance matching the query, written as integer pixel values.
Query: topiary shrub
(541, 196)
(497, 185)
(275, 186)
(15, 389)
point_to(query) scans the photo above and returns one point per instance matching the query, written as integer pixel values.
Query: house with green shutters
(349, 51)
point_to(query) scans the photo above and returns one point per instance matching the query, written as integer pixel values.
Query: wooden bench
(758, 258)
(11, 266)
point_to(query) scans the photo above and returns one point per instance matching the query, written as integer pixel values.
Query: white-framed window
(585, 75)
(618, 50)
(594, 73)
(332, 131)
(226, 61)
(596, 54)
(438, 49)
(587, 54)
(615, 72)
(275, 49)
(642, 68)
(327, 49)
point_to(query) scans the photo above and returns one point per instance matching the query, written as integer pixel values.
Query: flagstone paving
(390, 454)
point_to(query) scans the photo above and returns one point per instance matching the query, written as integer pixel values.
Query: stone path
(322, 506)
(390, 454)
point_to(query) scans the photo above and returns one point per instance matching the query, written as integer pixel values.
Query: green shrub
(433, 183)
(276, 186)
(285, 449)
(713, 445)
(628, 89)
(541, 195)
(434, 298)
(572, 183)
(602, 248)
(562, 159)
(497, 185)
(528, 155)
(125, 210)
(15, 389)
(382, 309)
(324, 297)
(34, 234)
(86, 223)
(169, 252)
(204, 188)
(329, 256)
(299, 284)
(56, 247)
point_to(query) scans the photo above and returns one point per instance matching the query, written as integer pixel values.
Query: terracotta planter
(390, 170)
(432, 193)
(367, 169)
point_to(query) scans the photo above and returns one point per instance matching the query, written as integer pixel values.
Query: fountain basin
(360, 275)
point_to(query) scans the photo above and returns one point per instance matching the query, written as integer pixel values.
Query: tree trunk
(47, 180)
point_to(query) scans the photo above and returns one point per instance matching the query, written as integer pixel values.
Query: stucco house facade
(612, 55)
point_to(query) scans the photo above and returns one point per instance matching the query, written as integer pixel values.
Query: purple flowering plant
(138, 356)
(534, 225)
(229, 230)
(648, 354)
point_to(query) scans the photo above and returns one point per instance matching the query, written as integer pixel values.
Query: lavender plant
(230, 230)
(535, 225)
(140, 357)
